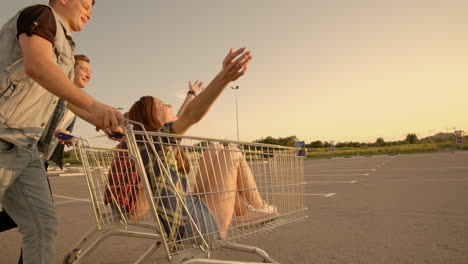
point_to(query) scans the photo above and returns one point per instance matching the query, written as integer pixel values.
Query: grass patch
(319, 153)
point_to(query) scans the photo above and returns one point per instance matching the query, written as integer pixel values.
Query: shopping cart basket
(141, 183)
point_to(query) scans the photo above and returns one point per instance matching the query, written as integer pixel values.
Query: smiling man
(82, 71)
(55, 151)
(36, 69)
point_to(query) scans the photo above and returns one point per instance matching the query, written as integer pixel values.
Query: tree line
(411, 138)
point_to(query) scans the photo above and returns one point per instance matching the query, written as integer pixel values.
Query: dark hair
(144, 111)
(82, 58)
(51, 2)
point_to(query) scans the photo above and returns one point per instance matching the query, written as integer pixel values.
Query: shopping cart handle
(117, 135)
(65, 136)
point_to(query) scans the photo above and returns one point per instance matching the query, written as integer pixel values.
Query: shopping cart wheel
(70, 258)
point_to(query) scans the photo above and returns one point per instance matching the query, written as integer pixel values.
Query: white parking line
(55, 172)
(69, 201)
(344, 169)
(71, 198)
(343, 174)
(333, 182)
(72, 174)
(385, 162)
(320, 194)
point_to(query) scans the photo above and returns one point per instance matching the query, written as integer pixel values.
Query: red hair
(144, 111)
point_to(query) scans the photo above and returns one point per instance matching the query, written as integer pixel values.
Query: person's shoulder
(38, 20)
(37, 13)
(37, 9)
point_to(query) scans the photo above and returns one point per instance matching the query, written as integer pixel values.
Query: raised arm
(234, 66)
(194, 90)
(37, 53)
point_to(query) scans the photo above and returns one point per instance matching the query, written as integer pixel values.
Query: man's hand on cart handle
(64, 137)
(117, 135)
(105, 116)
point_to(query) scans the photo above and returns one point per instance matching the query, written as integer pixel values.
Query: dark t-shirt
(37, 20)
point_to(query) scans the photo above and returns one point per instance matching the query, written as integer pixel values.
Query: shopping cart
(153, 181)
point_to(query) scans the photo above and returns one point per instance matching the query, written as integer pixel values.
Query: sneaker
(264, 214)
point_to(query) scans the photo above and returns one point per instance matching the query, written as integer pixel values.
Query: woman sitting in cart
(214, 201)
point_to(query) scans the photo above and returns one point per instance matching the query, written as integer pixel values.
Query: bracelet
(191, 92)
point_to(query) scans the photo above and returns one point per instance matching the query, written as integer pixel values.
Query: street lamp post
(237, 114)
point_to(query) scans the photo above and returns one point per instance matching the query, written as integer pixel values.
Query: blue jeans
(25, 195)
(203, 218)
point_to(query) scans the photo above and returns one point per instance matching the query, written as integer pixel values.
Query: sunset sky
(322, 70)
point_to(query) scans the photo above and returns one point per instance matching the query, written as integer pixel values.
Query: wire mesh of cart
(192, 195)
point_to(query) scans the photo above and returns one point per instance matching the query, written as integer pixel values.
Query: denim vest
(25, 106)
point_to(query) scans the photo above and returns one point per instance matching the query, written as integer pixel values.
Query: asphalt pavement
(380, 209)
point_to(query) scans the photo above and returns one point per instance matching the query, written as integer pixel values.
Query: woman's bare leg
(216, 181)
(226, 183)
(240, 205)
(246, 184)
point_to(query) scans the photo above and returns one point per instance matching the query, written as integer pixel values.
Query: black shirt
(37, 20)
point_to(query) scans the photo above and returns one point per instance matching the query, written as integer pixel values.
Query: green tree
(411, 138)
(286, 141)
(268, 140)
(380, 141)
(315, 144)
